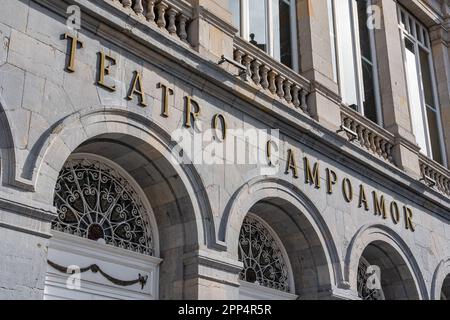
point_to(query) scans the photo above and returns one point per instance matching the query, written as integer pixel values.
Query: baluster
(366, 139)
(238, 55)
(264, 76)
(150, 15)
(295, 94)
(389, 152)
(287, 91)
(138, 8)
(378, 145)
(280, 91)
(304, 103)
(383, 149)
(247, 63)
(172, 28)
(161, 7)
(182, 27)
(126, 3)
(255, 70)
(272, 82)
(360, 132)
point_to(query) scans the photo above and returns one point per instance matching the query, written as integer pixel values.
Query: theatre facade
(240, 149)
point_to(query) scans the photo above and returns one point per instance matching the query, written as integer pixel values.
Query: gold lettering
(73, 45)
(395, 214)
(409, 219)
(331, 180)
(312, 176)
(347, 190)
(166, 92)
(221, 118)
(105, 70)
(363, 198)
(137, 89)
(292, 164)
(379, 206)
(191, 116)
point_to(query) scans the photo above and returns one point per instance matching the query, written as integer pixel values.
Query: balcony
(270, 76)
(434, 175)
(367, 134)
(170, 16)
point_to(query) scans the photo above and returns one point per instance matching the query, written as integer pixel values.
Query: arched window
(365, 292)
(104, 238)
(265, 261)
(94, 201)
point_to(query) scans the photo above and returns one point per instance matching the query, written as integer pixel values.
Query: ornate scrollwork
(94, 201)
(363, 278)
(263, 260)
(142, 280)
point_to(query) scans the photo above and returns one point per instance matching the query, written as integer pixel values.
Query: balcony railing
(271, 76)
(435, 175)
(171, 16)
(368, 135)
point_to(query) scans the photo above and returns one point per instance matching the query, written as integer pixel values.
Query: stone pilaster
(211, 31)
(316, 61)
(393, 88)
(24, 236)
(208, 276)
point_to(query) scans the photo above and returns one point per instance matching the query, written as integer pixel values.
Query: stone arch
(441, 281)
(382, 246)
(143, 149)
(300, 227)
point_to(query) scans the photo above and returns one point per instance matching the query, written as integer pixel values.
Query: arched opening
(293, 257)
(152, 248)
(445, 292)
(384, 275)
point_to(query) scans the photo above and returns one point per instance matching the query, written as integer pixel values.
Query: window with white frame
(271, 25)
(356, 56)
(421, 82)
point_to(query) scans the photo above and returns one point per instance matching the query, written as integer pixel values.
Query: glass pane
(434, 135)
(415, 104)
(370, 109)
(364, 38)
(426, 78)
(235, 9)
(285, 32)
(258, 22)
(346, 53)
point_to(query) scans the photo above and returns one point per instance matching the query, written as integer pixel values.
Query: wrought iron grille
(363, 278)
(94, 201)
(263, 260)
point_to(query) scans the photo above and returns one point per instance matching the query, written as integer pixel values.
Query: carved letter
(73, 45)
(363, 198)
(331, 180)
(347, 190)
(104, 70)
(395, 214)
(312, 176)
(291, 164)
(137, 88)
(221, 118)
(166, 92)
(379, 206)
(409, 219)
(191, 116)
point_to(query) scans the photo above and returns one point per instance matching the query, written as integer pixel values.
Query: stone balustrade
(271, 76)
(435, 175)
(171, 16)
(367, 134)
